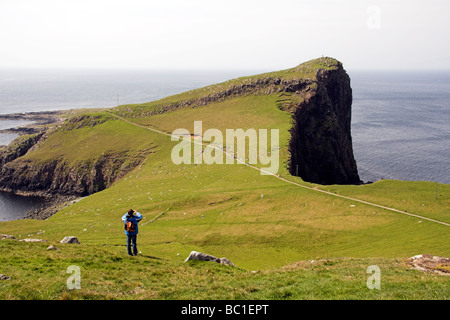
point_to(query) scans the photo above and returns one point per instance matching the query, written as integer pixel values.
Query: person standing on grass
(131, 220)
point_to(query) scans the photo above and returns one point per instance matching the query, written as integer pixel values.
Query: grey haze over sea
(400, 120)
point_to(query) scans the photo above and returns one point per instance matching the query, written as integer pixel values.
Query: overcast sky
(228, 34)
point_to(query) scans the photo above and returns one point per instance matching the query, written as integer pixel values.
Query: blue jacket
(135, 219)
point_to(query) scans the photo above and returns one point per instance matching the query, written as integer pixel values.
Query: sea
(400, 119)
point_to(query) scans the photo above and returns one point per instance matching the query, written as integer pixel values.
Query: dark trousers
(132, 239)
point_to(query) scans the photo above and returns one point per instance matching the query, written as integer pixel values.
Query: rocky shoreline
(39, 124)
(39, 121)
(52, 205)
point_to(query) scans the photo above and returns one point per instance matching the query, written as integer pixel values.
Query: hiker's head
(130, 212)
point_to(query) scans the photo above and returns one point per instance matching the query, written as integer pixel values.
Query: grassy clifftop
(260, 223)
(261, 83)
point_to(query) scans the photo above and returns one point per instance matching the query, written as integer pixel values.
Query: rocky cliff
(319, 96)
(321, 143)
(59, 177)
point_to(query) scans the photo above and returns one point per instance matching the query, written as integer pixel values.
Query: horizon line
(208, 69)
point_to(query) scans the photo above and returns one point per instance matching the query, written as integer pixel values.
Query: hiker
(131, 220)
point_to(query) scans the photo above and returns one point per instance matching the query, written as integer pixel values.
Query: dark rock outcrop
(59, 177)
(321, 143)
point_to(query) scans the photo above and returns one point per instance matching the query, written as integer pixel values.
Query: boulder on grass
(70, 239)
(195, 255)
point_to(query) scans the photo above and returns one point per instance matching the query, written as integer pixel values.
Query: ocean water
(400, 120)
(6, 138)
(401, 125)
(13, 207)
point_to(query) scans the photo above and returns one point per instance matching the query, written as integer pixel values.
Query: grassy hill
(287, 241)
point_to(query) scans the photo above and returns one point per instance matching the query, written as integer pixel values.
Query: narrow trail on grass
(284, 179)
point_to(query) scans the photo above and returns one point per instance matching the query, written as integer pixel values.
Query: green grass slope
(260, 223)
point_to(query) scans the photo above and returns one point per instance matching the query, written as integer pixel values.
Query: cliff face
(58, 177)
(321, 143)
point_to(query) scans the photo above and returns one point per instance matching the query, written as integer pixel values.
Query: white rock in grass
(195, 255)
(70, 239)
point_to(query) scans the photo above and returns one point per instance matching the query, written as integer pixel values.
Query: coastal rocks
(40, 122)
(70, 239)
(195, 255)
(52, 205)
(41, 118)
(321, 143)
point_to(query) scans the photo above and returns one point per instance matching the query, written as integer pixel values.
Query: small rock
(70, 239)
(52, 247)
(195, 255)
(6, 236)
(3, 277)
